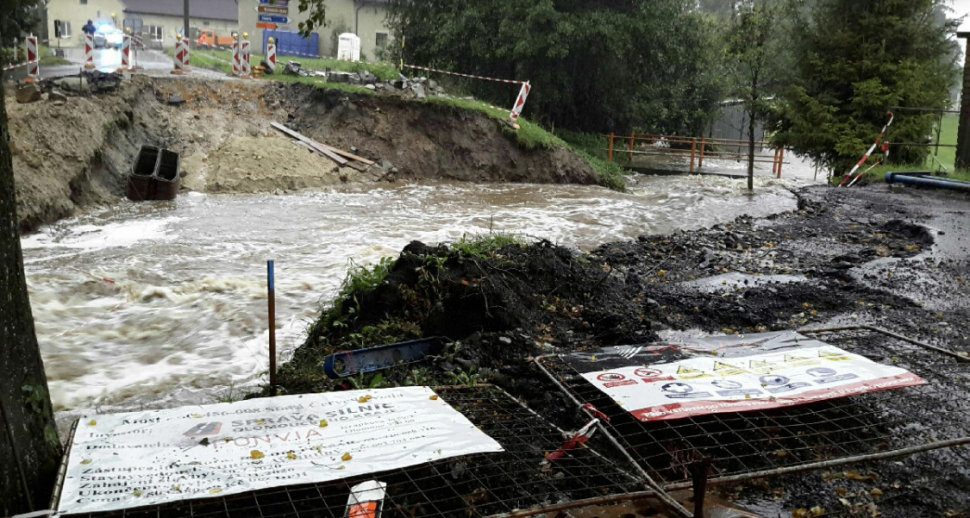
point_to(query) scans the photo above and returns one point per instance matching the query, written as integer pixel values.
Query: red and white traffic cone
(33, 60)
(88, 50)
(126, 51)
(271, 55)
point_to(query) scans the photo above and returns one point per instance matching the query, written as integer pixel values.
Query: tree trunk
(29, 447)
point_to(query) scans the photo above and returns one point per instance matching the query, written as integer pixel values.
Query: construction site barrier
(181, 57)
(33, 59)
(126, 52)
(516, 111)
(244, 57)
(236, 66)
(88, 50)
(271, 54)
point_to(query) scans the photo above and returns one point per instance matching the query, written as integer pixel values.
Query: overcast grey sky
(962, 8)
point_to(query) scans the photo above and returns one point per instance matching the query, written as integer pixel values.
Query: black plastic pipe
(924, 179)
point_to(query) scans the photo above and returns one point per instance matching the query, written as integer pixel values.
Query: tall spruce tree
(855, 60)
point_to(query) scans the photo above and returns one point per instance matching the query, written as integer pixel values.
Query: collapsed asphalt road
(896, 258)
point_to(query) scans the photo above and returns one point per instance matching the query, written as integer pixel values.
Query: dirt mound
(79, 153)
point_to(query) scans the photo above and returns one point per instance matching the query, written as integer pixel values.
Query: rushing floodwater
(185, 316)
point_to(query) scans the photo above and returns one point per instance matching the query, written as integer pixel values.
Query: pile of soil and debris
(75, 148)
(831, 262)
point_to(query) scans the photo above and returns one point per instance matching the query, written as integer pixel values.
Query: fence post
(693, 152)
(781, 160)
(633, 136)
(774, 162)
(611, 147)
(271, 296)
(700, 160)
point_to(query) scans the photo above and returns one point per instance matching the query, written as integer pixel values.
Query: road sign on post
(269, 18)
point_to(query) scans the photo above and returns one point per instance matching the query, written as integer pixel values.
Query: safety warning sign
(667, 381)
(121, 461)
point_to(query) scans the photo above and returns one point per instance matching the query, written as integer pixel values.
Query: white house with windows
(158, 21)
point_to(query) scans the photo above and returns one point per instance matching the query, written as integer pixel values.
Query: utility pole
(185, 21)
(963, 129)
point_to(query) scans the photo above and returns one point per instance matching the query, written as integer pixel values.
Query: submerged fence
(697, 149)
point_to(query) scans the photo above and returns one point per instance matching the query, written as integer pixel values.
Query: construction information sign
(122, 461)
(657, 382)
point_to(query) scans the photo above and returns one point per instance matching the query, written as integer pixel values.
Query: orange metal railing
(700, 148)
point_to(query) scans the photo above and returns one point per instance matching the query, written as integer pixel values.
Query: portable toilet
(348, 47)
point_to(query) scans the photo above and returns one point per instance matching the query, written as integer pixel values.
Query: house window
(381, 40)
(84, 2)
(62, 29)
(154, 32)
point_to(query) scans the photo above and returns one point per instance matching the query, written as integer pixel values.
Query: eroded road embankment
(897, 259)
(77, 154)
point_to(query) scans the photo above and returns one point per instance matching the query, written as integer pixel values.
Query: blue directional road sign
(274, 19)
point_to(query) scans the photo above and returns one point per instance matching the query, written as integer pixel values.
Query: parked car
(108, 36)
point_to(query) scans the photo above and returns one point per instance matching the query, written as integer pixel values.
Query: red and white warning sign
(708, 376)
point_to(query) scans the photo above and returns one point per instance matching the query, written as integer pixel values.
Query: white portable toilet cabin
(348, 47)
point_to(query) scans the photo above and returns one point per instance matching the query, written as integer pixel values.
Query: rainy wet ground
(896, 258)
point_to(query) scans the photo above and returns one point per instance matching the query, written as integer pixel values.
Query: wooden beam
(312, 143)
(340, 152)
(354, 165)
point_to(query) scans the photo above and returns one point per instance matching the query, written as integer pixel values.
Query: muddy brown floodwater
(183, 319)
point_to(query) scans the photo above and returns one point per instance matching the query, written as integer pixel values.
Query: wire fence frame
(937, 132)
(641, 443)
(518, 482)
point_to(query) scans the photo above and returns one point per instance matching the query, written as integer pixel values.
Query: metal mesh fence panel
(752, 444)
(471, 486)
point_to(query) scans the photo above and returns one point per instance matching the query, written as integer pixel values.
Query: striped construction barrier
(236, 65)
(271, 54)
(126, 52)
(181, 57)
(88, 50)
(469, 76)
(244, 57)
(516, 111)
(520, 101)
(33, 59)
(885, 150)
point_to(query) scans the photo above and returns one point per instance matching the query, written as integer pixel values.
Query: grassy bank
(222, 60)
(946, 158)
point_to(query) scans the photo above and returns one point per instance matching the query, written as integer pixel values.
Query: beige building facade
(365, 18)
(158, 21)
(66, 17)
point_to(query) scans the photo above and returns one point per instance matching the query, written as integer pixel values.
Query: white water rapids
(185, 317)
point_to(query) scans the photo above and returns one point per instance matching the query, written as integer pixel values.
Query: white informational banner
(659, 382)
(122, 461)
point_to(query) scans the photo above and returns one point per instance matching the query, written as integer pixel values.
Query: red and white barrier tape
(885, 150)
(471, 76)
(580, 438)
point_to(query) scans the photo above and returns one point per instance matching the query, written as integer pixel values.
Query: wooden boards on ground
(337, 155)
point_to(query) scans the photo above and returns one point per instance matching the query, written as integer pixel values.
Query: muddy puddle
(164, 304)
